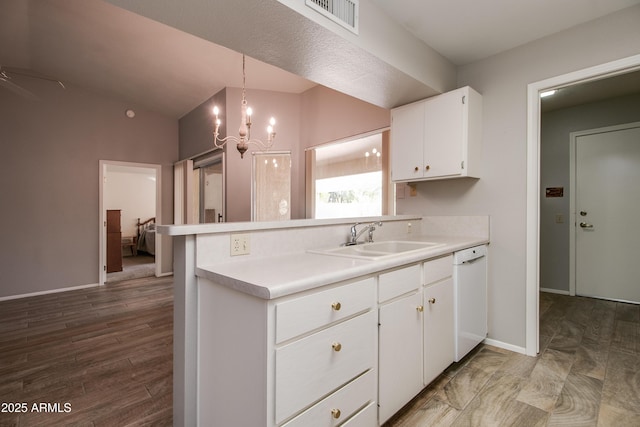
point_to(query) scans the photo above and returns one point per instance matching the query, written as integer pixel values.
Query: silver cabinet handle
(586, 225)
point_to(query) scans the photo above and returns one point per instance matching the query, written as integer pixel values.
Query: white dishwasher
(470, 296)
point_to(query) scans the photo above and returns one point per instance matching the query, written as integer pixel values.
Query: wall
(328, 115)
(501, 192)
(555, 130)
(52, 147)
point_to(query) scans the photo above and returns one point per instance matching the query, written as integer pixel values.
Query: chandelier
(244, 139)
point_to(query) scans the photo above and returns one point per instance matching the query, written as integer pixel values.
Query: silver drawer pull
(336, 306)
(336, 346)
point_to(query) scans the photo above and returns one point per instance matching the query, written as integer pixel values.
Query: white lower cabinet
(342, 405)
(399, 354)
(438, 317)
(350, 354)
(314, 366)
(438, 329)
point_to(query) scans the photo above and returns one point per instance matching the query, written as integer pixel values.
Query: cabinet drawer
(365, 418)
(399, 282)
(340, 405)
(438, 269)
(314, 366)
(304, 314)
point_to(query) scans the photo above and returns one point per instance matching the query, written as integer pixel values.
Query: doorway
(130, 192)
(533, 180)
(208, 189)
(605, 200)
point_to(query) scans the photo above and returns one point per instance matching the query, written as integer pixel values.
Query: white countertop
(277, 276)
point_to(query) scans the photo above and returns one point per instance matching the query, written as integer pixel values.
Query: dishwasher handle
(472, 260)
(466, 256)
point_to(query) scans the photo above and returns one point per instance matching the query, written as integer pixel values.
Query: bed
(147, 236)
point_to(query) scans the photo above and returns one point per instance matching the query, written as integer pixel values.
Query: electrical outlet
(240, 244)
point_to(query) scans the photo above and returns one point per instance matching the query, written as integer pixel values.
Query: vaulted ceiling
(110, 50)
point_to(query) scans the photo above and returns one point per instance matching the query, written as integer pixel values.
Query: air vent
(344, 12)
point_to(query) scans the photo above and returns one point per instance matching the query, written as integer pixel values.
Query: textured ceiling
(118, 53)
(110, 50)
(466, 31)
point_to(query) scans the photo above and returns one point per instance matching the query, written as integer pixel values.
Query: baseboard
(554, 291)
(505, 346)
(51, 291)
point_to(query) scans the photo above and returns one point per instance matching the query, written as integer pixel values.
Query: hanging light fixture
(244, 139)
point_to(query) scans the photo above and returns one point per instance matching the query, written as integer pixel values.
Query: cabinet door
(399, 353)
(443, 135)
(438, 329)
(407, 139)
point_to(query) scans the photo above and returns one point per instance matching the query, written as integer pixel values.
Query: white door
(607, 206)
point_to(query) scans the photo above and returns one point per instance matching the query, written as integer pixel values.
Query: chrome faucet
(355, 235)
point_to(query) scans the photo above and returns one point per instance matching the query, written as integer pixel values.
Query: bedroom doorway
(129, 210)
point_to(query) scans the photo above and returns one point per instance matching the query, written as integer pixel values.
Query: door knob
(586, 225)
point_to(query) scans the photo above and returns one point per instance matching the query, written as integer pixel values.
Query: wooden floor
(587, 374)
(105, 355)
(94, 357)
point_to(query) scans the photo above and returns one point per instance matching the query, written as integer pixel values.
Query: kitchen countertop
(281, 275)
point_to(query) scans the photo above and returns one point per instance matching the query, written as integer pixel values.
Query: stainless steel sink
(377, 250)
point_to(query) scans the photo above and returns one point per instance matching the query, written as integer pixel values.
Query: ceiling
(466, 31)
(106, 49)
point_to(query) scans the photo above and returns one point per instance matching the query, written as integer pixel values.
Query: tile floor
(587, 374)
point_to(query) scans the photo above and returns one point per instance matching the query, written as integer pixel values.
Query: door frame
(572, 190)
(102, 245)
(532, 247)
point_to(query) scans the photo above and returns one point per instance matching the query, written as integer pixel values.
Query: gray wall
(501, 192)
(50, 149)
(554, 137)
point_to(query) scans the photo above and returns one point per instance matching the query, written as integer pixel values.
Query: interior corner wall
(49, 180)
(555, 129)
(501, 192)
(195, 129)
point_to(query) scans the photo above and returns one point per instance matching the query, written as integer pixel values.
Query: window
(348, 178)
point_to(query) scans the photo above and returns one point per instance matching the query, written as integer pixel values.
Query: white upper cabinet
(437, 138)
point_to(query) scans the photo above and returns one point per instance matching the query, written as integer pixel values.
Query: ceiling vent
(344, 12)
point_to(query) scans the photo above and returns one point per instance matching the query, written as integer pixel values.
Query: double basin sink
(377, 250)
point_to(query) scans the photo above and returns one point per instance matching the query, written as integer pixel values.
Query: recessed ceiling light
(130, 113)
(547, 93)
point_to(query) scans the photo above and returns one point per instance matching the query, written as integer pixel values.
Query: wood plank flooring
(106, 353)
(587, 374)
